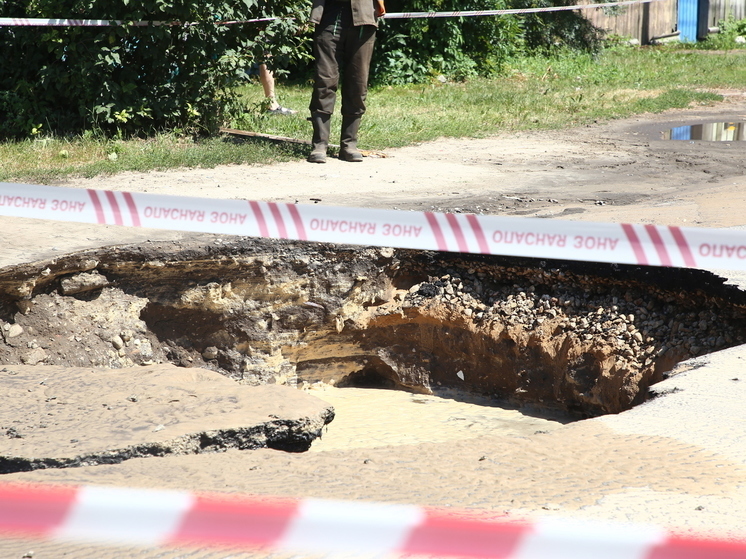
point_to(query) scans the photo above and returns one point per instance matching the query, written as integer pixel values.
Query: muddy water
(369, 418)
(709, 132)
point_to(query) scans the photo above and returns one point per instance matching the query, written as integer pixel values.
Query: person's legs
(326, 81)
(268, 85)
(325, 48)
(267, 79)
(320, 141)
(358, 51)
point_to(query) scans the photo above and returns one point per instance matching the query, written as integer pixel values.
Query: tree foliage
(726, 38)
(413, 50)
(133, 79)
(546, 32)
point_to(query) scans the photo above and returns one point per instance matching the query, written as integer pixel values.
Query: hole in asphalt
(583, 338)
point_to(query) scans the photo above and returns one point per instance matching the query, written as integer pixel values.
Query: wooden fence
(655, 20)
(719, 10)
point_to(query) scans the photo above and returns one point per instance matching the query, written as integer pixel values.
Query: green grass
(535, 93)
(47, 160)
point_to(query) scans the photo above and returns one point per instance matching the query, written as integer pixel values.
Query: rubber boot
(348, 142)
(321, 123)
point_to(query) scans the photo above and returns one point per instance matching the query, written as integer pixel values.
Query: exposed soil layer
(581, 337)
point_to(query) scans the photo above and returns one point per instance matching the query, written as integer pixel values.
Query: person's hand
(380, 8)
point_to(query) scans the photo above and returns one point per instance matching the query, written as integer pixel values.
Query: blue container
(681, 133)
(688, 20)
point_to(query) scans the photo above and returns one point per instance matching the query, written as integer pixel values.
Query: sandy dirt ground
(678, 461)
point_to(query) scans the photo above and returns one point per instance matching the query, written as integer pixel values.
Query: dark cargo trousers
(339, 46)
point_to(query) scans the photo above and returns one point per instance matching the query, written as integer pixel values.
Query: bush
(415, 50)
(129, 79)
(547, 32)
(725, 38)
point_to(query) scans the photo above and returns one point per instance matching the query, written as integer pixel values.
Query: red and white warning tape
(45, 22)
(654, 245)
(115, 515)
(476, 13)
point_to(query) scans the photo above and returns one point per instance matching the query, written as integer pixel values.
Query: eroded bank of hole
(579, 337)
(371, 377)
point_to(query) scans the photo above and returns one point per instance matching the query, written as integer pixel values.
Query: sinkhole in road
(582, 338)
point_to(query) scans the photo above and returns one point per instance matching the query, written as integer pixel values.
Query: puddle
(709, 132)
